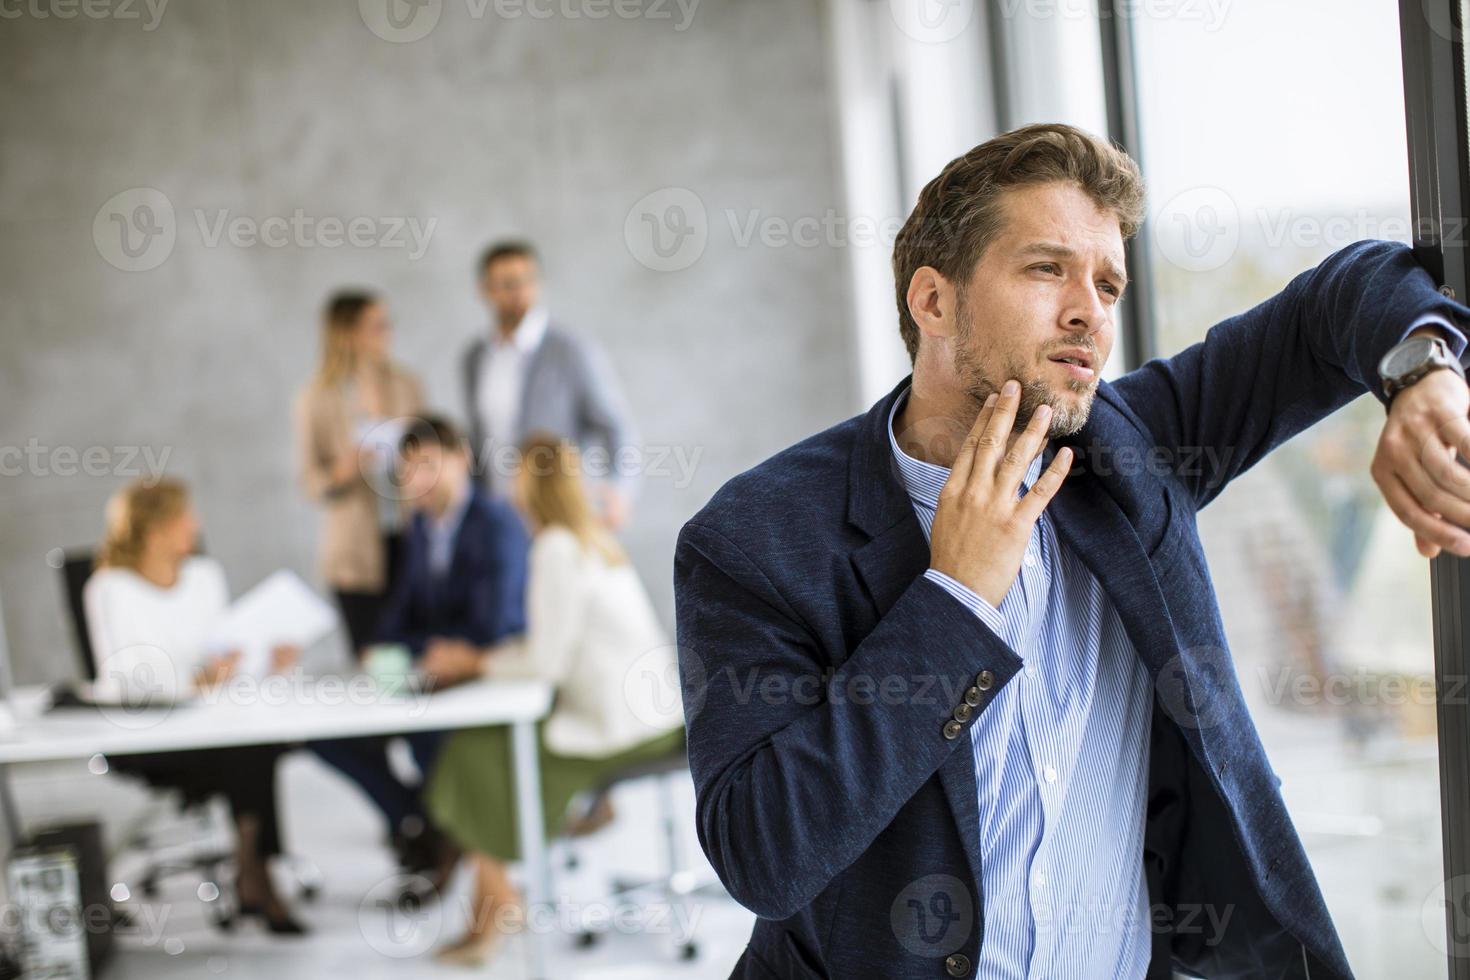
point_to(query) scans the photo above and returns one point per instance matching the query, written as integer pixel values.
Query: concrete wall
(494, 122)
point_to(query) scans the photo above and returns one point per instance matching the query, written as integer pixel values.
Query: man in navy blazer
(1019, 573)
(461, 590)
(463, 583)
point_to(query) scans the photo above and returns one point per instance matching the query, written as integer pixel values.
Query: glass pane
(1274, 135)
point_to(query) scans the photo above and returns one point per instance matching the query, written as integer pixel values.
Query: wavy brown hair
(959, 213)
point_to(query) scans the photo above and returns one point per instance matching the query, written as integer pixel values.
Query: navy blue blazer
(820, 666)
(482, 597)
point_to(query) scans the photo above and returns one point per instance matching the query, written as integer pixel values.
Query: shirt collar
(923, 480)
(528, 333)
(449, 523)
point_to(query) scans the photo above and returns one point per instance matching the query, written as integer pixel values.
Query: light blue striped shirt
(1061, 765)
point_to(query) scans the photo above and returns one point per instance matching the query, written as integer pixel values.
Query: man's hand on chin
(1415, 466)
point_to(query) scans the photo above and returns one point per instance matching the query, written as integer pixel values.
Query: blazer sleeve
(313, 464)
(497, 601)
(798, 768)
(1258, 378)
(605, 414)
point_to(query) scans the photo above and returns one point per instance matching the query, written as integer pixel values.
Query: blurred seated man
(151, 609)
(462, 584)
(593, 634)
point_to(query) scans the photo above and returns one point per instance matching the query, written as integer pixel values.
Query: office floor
(1377, 869)
(354, 935)
(1379, 910)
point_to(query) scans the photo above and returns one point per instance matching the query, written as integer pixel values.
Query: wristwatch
(1411, 359)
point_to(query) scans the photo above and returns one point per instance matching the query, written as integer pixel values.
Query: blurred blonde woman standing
(348, 420)
(592, 632)
(151, 606)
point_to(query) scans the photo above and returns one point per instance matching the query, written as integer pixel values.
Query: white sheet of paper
(281, 609)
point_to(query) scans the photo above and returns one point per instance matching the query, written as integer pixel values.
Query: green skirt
(471, 791)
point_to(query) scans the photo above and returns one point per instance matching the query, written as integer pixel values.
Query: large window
(1273, 134)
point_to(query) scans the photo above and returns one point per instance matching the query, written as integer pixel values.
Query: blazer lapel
(895, 555)
(1090, 521)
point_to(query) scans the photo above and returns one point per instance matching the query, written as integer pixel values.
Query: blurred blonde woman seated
(150, 607)
(591, 631)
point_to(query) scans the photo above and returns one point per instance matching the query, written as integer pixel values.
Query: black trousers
(361, 611)
(245, 776)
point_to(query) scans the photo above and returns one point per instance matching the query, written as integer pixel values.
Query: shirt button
(1030, 671)
(1040, 879)
(1030, 560)
(1050, 774)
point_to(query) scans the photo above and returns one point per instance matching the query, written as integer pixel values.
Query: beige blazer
(350, 550)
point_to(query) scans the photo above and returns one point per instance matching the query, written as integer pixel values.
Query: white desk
(327, 709)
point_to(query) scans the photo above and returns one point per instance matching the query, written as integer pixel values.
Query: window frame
(1431, 35)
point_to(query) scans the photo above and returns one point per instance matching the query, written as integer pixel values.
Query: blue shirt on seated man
(463, 582)
(461, 590)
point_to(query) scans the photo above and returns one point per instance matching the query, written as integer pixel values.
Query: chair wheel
(586, 939)
(689, 951)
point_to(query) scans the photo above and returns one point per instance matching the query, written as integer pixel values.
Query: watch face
(1407, 356)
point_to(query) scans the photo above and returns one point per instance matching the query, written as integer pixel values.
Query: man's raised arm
(1260, 377)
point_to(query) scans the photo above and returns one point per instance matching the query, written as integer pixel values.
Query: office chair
(207, 848)
(674, 883)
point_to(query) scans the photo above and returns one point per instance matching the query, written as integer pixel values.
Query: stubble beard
(1067, 418)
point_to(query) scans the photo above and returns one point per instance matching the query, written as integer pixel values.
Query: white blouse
(150, 641)
(592, 631)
